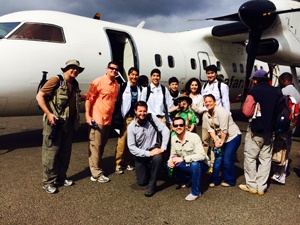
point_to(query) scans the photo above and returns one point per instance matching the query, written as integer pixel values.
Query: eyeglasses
(178, 125)
(113, 68)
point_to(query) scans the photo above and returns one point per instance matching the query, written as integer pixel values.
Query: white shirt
(155, 101)
(126, 102)
(214, 90)
(292, 91)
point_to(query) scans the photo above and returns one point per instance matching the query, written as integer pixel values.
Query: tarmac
(23, 201)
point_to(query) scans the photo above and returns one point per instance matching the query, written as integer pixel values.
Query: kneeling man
(188, 158)
(143, 143)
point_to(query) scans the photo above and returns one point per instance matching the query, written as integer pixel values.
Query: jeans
(226, 160)
(193, 171)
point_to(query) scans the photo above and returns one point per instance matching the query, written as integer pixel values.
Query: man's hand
(177, 160)
(51, 117)
(156, 151)
(171, 164)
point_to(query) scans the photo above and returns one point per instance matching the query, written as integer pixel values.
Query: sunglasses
(178, 125)
(113, 68)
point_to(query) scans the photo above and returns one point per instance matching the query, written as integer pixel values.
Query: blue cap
(259, 73)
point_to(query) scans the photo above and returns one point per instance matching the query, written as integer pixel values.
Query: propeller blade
(252, 47)
(231, 17)
(284, 11)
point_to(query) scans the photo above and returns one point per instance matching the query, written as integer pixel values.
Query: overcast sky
(160, 15)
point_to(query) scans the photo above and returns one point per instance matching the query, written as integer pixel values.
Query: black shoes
(149, 192)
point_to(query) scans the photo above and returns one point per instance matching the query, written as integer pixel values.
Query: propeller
(257, 16)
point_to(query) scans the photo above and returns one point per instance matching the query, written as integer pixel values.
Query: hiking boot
(119, 170)
(65, 183)
(50, 189)
(245, 188)
(101, 179)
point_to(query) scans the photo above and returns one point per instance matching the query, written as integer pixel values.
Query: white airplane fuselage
(94, 43)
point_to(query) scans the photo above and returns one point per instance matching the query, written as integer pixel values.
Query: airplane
(38, 40)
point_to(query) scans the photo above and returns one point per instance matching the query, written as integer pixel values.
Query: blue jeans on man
(191, 172)
(226, 160)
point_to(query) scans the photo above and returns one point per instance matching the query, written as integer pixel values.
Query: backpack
(163, 88)
(286, 114)
(219, 87)
(44, 80)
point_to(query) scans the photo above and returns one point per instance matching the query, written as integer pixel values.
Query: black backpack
(219, 87)
(44, 80)
(282, 114)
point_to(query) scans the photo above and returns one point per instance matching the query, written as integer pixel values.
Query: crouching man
(187, 159)
(144, 144)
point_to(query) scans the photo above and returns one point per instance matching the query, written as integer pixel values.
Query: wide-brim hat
(72, 62)
(185, 97)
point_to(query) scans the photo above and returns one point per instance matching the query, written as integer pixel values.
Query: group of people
(145, 115)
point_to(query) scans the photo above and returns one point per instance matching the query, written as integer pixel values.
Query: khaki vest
(59, 105)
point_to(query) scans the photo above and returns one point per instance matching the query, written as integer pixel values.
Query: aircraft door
(204, 61)
(123, 51)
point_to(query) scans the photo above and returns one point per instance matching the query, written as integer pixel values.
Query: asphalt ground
(23, 201)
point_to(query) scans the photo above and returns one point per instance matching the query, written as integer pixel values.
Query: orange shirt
(102, 95)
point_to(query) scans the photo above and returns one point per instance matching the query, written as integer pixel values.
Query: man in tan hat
(59, 99)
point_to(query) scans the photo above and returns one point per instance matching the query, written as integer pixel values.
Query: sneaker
(119, 170)
(130, 168)
(101, 179)
(280, 178)
(50, 189)
(224, 184)
(66, 183)
(191, 197)
(245, 188)
(212, 185)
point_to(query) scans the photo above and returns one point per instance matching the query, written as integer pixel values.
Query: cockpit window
(5, 28)
(39, 32)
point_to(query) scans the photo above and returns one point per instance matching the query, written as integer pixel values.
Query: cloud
(160, 15)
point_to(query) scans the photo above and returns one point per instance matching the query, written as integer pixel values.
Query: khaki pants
(123, 155)
(207, 145)
(56, 154)
(257, 147)
(98, 139)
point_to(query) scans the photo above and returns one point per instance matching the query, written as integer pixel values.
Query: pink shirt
(102, 95)
(249, 106)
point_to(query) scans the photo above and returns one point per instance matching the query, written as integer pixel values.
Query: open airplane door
(123, 52)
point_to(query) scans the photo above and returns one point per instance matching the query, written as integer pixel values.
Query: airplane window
(171, 61)
(204, 63)
(5, 28)
(193, 63)
(234, 69)
(158, 61)
(39, 32)
(241, 68)
(219, 65)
